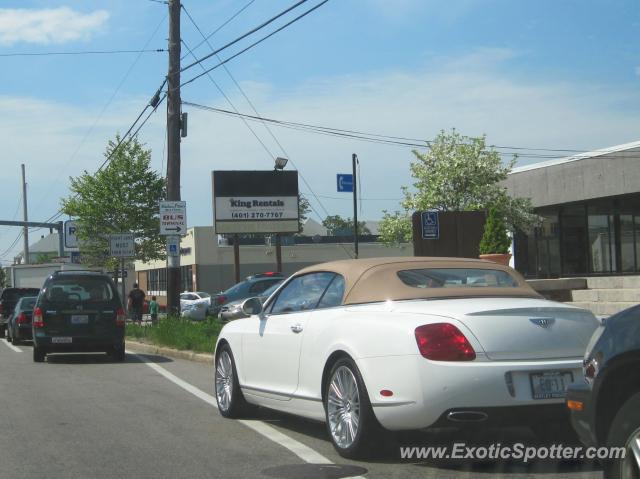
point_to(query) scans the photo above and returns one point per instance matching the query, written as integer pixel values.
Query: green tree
(495, 238)
(304, 208)
(337, 225)
(457, 173)
(121, 198)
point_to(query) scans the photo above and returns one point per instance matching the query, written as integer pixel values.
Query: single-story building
(590, 209)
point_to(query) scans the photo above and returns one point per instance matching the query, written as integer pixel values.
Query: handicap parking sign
(430, 225)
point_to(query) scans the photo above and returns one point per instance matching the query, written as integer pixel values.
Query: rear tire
(39, 354)
(231, 401)
(625, 428)
(117, 353)
(352, 426)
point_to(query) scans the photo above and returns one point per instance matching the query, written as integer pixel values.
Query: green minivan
(78, 311)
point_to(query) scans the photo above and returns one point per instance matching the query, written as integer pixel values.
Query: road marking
(302, 451)
(11, 346)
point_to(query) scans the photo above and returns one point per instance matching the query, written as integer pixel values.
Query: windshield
(271, 289)
(203, 295)
(27, 303)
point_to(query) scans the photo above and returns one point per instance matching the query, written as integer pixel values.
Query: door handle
(296, 328)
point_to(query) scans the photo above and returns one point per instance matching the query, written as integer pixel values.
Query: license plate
(550, 384)
(62, 339)
(79, 319)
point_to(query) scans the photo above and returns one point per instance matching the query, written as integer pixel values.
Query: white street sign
(173, 217)
(70, 237)
(122, 245)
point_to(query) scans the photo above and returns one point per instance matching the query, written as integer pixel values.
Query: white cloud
(45, 26)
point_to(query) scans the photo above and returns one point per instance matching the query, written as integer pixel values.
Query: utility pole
(25, 229)
(173, 146)
(354, 161)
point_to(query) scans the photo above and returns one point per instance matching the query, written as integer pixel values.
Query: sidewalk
(145, 348)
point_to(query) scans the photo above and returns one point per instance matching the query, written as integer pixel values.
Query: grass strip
(182, 334)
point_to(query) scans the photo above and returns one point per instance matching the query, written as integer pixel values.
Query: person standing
(153, 309)
(136, 303)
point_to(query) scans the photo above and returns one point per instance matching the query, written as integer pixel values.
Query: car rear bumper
(582, 421)
(78, 344)
(425, 392)
(24, 331)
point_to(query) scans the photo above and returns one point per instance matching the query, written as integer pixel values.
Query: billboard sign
(255, 201)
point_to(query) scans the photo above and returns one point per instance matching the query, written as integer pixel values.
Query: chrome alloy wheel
(343, 407)
(224, 381)
(631, 464)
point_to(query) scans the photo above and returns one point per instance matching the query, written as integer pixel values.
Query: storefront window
(574, 247)
(546, 254)
(601, 237)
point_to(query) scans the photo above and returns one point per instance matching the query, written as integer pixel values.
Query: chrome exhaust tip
(467, 416)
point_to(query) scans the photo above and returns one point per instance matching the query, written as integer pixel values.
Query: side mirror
(252, 306)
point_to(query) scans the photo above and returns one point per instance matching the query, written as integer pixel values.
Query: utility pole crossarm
(30, 224)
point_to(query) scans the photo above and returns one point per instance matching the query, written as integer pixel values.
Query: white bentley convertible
(402, 343)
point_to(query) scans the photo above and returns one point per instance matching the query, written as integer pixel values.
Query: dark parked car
(19, 324)
(605, 409)
(252, 286)
(78, 311)
(8, 300)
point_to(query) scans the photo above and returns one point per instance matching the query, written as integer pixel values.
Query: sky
(543, 74)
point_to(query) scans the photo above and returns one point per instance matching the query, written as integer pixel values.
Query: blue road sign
(430, 225)
(345, 183)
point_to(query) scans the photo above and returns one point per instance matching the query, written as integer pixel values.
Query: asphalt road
(82, 416)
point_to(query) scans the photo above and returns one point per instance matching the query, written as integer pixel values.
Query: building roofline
(581, 156)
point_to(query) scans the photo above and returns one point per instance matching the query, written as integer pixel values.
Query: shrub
(495, 238)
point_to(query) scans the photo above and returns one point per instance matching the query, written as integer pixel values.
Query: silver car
(233, 310)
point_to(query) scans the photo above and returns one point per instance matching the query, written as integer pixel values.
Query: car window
(302, 293)
(185, 296)
(334, 293)
(203, 295)
(80, 290)
(27, 303)
(457, 277)
(261, 286)
(271, 289)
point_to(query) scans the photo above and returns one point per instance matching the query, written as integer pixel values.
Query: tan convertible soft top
(375, 279)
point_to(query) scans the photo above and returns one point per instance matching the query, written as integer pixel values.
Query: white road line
(302, 451)
(11, 346)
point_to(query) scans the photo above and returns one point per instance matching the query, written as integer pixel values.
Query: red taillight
(443, 342)
(22, 318)
(38, 320)
(120, 317)
(220, 299)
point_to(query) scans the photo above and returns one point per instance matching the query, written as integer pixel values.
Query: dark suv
(8, 300)
(78, 311)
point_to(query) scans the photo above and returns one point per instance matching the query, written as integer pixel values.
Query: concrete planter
(500, 258)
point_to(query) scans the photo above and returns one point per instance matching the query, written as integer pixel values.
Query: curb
(144, 348)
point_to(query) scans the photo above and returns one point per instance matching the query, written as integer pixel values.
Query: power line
(299, 17)
(10, 248)
(229, 100)
(219, 28)
(245, 35)
(87, 52)
(263, 123)
(387, 139)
